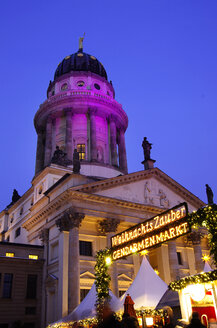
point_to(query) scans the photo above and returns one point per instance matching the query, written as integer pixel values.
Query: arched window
(81, 151)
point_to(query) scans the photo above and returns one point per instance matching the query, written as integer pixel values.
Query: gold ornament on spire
(81, 42)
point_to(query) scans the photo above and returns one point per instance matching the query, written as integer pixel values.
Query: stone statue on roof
(60, 157)
(146, 148)
(209, 194)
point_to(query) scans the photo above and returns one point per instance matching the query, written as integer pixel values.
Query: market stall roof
(86, 309)
(207, 267)
(147, 288)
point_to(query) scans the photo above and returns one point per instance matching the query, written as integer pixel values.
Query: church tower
(81, 113)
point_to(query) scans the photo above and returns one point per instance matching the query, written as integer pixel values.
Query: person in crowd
(108, 318)
(129, 322)
(195, 321)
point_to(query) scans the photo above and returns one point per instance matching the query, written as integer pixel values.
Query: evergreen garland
(207, 217)
(201, 278)
(102, 279)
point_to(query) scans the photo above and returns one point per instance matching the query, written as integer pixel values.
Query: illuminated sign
(151, 233)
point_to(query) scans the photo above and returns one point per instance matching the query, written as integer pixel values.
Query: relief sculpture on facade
(148, 195)
(164, 201)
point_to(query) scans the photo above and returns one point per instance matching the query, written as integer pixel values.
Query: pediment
(151, 187)
(124, 277)
(87, 275)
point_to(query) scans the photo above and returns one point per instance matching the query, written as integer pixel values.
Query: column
(191, 260)
(109, 227)
(199, 265)
(195, 238)
(136, 264)
(173, 260)
(48, 142)
(44, 237)
(71, 221)
(63, 274)
(163, 263)
(93, 148)
(88, 157)
(113, 142)
(122, 152)
(68, 141)
(108, 141)
(39, 164)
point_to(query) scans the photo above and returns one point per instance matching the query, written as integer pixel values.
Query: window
(21, 211)
(8, 238)
(80, 83)
(85, 248)
(30, 310)
(9, 254)
(179, 258)
(17, 232)
(31, 290)
(81, 151)
(64, 87)
(3, 325)
(33, 257)
(83, 293)
(96, 86)
(54, 251)
(7, 285)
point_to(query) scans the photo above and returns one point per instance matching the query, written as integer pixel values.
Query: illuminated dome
(80, 61)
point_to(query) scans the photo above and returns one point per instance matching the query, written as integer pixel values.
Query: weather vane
(81, 43)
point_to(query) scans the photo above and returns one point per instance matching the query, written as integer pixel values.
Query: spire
(81, 43)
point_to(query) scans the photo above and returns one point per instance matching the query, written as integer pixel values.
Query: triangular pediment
(87, 275)
(124, 277)
(151, 187)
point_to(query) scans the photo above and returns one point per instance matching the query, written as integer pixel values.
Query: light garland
(150, 312)
(207, 217)
(201, 278)
(102, 279)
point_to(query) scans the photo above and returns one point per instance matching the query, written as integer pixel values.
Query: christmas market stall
(146, 291)
(85, 312)
(198, 293)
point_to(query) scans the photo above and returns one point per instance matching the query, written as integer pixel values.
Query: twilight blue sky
(161, 56)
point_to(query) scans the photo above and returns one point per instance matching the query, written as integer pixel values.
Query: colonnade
(116, 139)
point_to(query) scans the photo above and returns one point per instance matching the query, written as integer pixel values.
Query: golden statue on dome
(81, 43)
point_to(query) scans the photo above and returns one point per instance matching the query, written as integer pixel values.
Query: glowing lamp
(145, 252)
(157, 272)
(140, 321)
(108, 260)
(205, 258)
(149, 321)
(197, 292)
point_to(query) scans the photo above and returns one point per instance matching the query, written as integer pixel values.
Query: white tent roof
(86, 309)
(207, 267)
(147, 288)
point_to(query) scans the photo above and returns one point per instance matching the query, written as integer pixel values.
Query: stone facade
(74, 215)
(18, 302)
